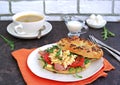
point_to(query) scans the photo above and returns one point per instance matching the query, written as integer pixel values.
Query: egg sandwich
(70, 55)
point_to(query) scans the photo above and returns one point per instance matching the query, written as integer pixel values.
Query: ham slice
(58, 67)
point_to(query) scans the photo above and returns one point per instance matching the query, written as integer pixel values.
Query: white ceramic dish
(34, 65)
(11, 31)
(97, 26)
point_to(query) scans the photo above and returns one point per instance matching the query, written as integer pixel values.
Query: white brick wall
(61, 6)
(56, 9)
(27, 5)
(4, 7)
(117, 7)
(96, 6)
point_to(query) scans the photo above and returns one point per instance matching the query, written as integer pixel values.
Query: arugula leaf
(71, 70)
(86, 61)
(50, 50)
(58, 54)
(111, 34)
(77, 76)
(9, 42)
(76, 70)
(45, 64)
(41, 59)
(106, 33)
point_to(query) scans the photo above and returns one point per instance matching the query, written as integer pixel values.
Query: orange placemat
(21, 56)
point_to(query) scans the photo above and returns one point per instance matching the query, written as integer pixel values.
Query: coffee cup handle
(19, 29)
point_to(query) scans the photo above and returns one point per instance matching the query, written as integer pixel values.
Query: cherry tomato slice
(45, 56)
(79, 61)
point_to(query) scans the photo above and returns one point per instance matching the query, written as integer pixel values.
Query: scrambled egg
(65, 57)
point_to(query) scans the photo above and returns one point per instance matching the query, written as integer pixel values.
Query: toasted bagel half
(81, 47)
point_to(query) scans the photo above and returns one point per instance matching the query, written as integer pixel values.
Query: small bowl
(95, 25)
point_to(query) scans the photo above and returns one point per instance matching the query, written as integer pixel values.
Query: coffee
(29, 18)
(28, 22)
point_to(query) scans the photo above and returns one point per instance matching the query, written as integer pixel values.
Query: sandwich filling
(70, 55)
(60, 60)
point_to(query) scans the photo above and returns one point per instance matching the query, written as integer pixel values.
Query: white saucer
(10, 30)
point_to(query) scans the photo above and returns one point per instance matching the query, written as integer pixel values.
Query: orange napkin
(21, 56)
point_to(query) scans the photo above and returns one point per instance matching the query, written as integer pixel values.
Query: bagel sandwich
(70, 55)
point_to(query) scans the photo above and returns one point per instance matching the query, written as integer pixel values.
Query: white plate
(10, 30)
(34, 65)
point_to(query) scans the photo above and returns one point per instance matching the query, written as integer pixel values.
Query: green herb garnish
(53, 67)
(58, 54)
(45, 64)
(77, 76)
(50, 50)
(41, 59)
(9, 42)
(78, 69)
(106, 33)
(71, 70)
(86, 61)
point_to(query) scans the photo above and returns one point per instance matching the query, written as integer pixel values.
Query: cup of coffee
(28, 22)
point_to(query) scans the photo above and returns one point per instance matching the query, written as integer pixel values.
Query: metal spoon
(39, 34)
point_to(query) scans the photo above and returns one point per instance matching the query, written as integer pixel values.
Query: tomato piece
(79, 61)
(45, 56)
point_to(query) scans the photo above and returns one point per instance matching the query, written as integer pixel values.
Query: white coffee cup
(28, 22)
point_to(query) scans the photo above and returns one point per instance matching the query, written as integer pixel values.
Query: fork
(111, 52)
(103, 44)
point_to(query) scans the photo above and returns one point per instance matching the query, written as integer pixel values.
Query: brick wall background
(56, 9)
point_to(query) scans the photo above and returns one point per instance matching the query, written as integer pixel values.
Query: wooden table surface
(9, 71)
